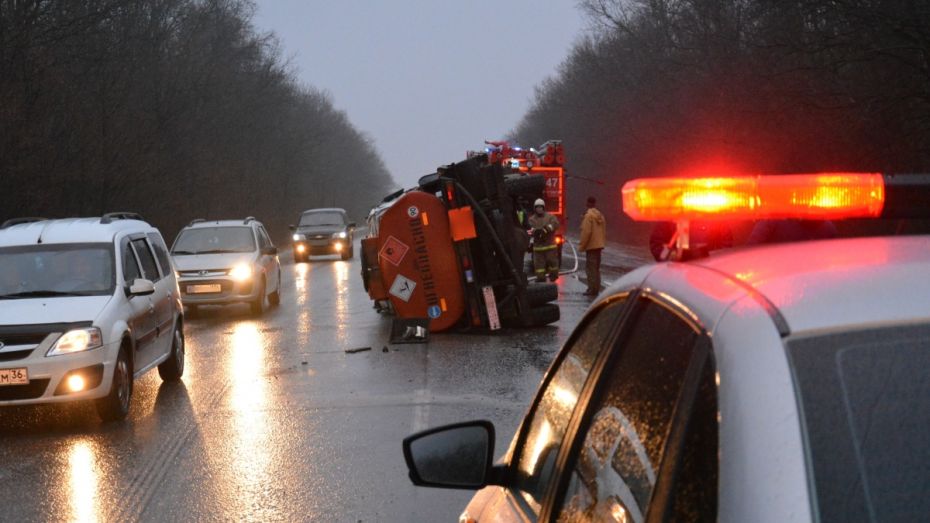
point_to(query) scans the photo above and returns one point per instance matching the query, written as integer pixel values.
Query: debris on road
(360, 349)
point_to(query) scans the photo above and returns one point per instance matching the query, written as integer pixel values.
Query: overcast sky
(426, 79)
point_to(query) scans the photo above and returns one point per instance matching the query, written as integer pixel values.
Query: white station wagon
(86, 306)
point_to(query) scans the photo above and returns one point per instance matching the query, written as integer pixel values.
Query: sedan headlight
(241, 272)
(340, 235)
(77, 340)
(299, 237)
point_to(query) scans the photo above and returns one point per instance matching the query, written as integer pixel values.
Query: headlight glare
(340, 235)
(77, 340)
(241, 272)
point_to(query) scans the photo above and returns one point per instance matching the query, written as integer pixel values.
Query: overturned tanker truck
(451, 250)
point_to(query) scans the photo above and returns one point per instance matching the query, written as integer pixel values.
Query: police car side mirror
(141, 287)
(270, 250)
(454, 456)
(291, 227)
(352, 225)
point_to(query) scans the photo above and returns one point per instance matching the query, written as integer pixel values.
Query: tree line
(666, 87)
(177, 109)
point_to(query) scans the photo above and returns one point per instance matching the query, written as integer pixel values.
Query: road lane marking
(421, 401)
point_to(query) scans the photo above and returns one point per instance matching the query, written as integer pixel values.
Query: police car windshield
(866, 402)
(312, 219)
(51, 271)
(214, 240)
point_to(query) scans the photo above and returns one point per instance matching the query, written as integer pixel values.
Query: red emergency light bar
(824, 196)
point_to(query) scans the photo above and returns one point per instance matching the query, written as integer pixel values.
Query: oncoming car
(86, 306)
(321, 232)
(227, 261)
(782, 382)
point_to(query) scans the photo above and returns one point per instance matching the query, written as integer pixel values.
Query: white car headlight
(299, 237)
(77, 340)
(340, 235)
(241, 272)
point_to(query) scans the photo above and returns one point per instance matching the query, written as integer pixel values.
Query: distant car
(86, 306)
(227, 261)
(771, 383)
(321, 232)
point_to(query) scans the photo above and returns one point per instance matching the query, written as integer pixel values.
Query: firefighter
(593, 238)
(545, 250)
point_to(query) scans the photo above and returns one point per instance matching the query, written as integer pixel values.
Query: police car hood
(198, 262)
(63, 309)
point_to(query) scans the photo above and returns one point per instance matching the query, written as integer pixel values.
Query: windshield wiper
(183, 252)
(42, 294)
(217, 251)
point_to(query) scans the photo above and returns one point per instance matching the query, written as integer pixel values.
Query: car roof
(69, 230)
(325, 209)
(223, 223)
(810, 286)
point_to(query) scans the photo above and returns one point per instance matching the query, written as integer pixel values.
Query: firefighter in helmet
(545, 250)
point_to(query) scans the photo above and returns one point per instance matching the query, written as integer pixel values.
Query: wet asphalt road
(274, 421)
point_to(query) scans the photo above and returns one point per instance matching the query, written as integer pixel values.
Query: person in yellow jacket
(545, 250)
(593, 239)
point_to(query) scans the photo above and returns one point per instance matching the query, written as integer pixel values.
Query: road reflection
(83, 479)
(341, 309)
(248, 455)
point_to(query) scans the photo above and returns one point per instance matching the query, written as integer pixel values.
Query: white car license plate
(14, 377)
(204, 289)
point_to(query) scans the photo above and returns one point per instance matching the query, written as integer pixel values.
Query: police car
(86, 306)
(774, 383)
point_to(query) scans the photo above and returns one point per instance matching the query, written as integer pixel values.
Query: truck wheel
(542, 315)
(364, 260)
(541, 293)
(115, 405)
(173, 368)
(524, 185)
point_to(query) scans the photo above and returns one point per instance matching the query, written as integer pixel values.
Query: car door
(534, 464)
(159, 301)
(647, 444)
(165, 298)
(269, 261)
(142, 309)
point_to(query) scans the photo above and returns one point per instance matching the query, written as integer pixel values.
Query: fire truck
(547, 161)
(451, 250)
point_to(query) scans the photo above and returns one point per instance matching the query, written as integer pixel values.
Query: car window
(131, 270)
(161, 253)
(866, 402)
(214, 240)
(694, 496)
(57, 269)
(320, 218)
(615, 471)
(263, 240)
(146, 259)
(536, 463)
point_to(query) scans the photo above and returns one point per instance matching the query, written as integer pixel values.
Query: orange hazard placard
(393, 250)
(462, 224)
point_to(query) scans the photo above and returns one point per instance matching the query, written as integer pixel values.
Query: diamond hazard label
(403, 287)
(393, 251)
